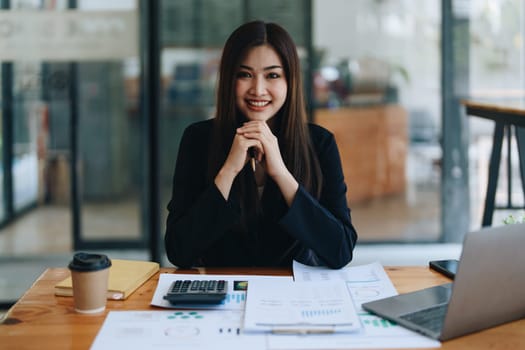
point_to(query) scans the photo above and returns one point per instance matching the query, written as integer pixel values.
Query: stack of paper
(224, 327)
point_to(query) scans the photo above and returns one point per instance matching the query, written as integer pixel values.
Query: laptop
(489, 289)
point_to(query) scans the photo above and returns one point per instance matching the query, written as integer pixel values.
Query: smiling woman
(292, 205)
(261, 85)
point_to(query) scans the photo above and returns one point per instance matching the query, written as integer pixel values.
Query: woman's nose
(258, 86)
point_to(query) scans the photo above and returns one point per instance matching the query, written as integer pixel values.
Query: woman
(257, 185)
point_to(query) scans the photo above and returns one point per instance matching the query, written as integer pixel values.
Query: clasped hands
(265, 145)
(258, 136)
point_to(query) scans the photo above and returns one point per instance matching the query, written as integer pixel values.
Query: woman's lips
(257, 103)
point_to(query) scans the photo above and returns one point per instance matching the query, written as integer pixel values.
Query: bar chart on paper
(309, 314)
(300, 307)
(371, 321)
(234, 298)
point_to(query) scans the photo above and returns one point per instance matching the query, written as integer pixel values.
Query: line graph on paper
(365, 282)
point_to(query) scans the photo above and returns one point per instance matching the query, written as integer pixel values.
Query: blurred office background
(88, 146)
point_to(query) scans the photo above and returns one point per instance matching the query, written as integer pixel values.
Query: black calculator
(197, 292)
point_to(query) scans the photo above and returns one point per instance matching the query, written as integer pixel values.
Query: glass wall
(377, 87)
(26, 125)
(497, 60)
(497, 74)
(376, 84)
(2, 106)
(193, 33)
(75, 122)
(110, 142)
(25, 183)
(29, 114)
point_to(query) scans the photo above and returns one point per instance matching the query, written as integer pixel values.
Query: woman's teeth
(258, 103)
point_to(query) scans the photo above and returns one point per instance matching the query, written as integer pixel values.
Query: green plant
(513, 220)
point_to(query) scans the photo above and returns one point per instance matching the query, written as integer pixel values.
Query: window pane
(2, 199)
(497, 74)
(110, 152)
(108, 126)
(377, 87)
(110, 142)
(28, 124)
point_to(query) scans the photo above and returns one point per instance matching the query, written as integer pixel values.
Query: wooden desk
(41, 320)
(507, 115)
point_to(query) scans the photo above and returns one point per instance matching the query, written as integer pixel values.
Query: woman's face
(260, 88)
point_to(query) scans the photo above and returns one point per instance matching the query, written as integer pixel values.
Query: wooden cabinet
(373, 143)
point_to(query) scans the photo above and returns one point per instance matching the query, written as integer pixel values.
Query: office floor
(41, 238)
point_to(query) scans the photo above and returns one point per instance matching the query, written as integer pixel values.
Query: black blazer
(203, 229)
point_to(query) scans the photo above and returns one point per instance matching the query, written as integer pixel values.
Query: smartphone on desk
(447, 267)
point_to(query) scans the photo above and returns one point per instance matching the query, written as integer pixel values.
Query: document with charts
(176, 329)
(366, 283)
(299, 307)
(235, 298)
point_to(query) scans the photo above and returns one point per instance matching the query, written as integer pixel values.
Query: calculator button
(212, 285)
(221, 284)
(203, 285)
(195, 285)
(185, 286)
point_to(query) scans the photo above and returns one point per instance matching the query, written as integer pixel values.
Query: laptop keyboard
(431, 318)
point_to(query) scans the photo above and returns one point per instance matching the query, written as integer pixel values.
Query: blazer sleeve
(197, 213)
(323, 227)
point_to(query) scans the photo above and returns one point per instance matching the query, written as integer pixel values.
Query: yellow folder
(125, 276)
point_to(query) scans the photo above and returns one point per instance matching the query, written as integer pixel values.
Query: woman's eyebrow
(265, 68)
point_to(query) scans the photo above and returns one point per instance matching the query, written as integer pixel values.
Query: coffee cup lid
(89, 262)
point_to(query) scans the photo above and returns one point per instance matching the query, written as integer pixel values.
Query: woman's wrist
(224, 181)
(288, 186)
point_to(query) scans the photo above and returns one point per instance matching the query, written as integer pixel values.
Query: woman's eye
(273, 75)
(243, 74)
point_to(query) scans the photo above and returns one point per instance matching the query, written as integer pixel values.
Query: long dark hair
(290, 125)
